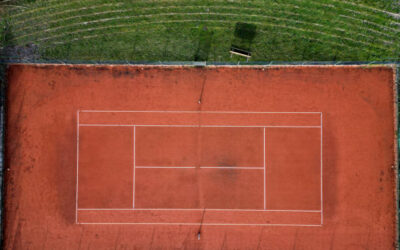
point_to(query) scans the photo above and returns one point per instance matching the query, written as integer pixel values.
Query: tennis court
(229, 157)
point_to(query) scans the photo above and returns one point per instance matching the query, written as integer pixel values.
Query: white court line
(322, 201)
(196, 224)
(235, 167)
(265, 199)
(222, 167)
(134, 126)
(77, 166)
(194, 126)
(193, 112)
(161, 167)
(134, 166)
(199, 209)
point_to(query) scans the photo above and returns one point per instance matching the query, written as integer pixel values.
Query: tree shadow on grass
(243, 38)
(204, 44)
(10, 51)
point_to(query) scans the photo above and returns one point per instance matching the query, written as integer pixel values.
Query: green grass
(187, 30)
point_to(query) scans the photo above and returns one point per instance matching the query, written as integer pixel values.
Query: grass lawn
(171, 30)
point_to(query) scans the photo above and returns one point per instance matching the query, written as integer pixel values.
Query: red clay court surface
(170, 157)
